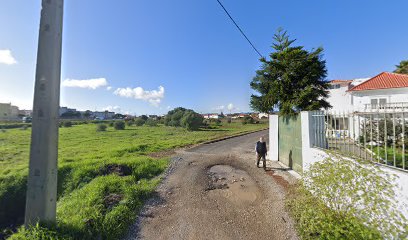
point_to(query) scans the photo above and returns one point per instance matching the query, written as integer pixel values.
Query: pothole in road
(233, 184)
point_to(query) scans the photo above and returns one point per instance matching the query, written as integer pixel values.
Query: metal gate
(290, 142)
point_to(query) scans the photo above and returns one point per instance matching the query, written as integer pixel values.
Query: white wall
(393, 95)
(273, 153)
(340, 99)
(309, 155)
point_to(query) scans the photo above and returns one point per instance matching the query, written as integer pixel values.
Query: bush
(139, 122)
(111, 124)
(67, 124)
(151, 123)
(119, 125)
(352, 199)
(183, 117)
(229, 120)
(247, 120)
(192, 121)
(101, 127)
(130, 123)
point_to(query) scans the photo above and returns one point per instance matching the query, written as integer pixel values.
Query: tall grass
(84, 186)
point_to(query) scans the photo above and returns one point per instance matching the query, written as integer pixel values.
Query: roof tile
(383, 80)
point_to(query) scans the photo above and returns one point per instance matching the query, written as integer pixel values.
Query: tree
(402, 67)
(292, 81)
(181, 117)
(192, 120)
(139, 121)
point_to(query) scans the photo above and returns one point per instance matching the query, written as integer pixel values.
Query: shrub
(192, 121)
(350, 199)
(101, 127)
(247, 120)
(151, 123)
(229, 120)
(119, 125)
(67, 124)
(139, 121)
(183, 117)
(111, 124)
(130, 123)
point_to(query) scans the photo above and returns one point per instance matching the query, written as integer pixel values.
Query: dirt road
(215, 191)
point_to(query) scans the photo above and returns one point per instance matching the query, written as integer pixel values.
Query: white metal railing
(379, 136)
(395, 105)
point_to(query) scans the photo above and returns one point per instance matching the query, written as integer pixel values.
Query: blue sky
(154, 55)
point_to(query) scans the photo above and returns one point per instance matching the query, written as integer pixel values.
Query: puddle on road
(232, 184)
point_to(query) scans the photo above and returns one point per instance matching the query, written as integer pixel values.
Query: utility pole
(42, 177)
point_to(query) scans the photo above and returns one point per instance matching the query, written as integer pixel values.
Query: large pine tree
(292, 80)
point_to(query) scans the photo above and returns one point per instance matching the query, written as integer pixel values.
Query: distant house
(263, 115)
(8, 112)
(211, 116)
(102, 115)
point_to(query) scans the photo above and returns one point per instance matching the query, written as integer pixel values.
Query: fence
(379, 135)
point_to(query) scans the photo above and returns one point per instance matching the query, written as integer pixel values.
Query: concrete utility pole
(42, 177)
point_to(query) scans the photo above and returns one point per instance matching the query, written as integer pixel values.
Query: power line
(242, 32)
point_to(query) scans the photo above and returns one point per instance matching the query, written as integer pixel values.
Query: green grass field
(93, 203)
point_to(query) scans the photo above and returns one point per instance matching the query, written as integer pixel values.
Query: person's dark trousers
(261, 155)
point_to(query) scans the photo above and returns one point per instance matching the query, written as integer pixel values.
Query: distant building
(8, 112)
(63, 110)
(26, 113)
(211, 116)
(263, 115)
(102, 115)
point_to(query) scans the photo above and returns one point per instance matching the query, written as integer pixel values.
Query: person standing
(261, 152)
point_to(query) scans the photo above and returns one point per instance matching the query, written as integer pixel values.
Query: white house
(8, 111)
(384, 91)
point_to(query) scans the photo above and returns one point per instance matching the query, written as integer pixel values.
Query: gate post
(273, 153)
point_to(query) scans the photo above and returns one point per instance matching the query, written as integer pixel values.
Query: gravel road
(215, 191)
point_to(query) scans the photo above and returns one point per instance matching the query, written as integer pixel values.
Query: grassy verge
(314, 220)
(343, 198)
(103, 177)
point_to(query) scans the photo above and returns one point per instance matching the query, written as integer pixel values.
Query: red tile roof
(383, 80)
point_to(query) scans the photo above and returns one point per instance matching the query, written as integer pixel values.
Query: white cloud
(112, 109)
(108, 88)
(154, 97)
(230, 107)
(6, 57)
(87, 83)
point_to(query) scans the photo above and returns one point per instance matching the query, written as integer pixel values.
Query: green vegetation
(402, 67)
(139, 121)
(345, 199)
(181, 117)
(292, 80)
(390, 156)
(101, 127)
(119, 125)
(103, 178)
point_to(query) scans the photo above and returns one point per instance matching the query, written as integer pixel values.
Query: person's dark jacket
(261, 147)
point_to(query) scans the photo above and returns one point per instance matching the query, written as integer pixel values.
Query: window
(383, 101)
